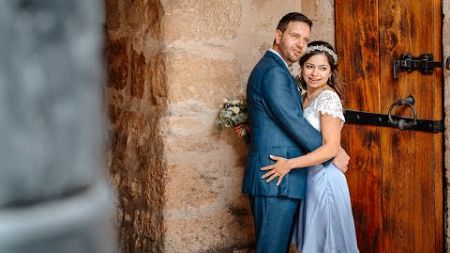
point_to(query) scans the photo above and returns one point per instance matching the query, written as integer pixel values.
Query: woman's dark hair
(333, 81)
(293, 17)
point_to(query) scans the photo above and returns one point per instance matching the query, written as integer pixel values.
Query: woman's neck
(313, 92)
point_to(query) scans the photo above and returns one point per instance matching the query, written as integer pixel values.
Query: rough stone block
(187, 189)
(200, 20)
(155, 81)
(321, 12)
(138, 167)
(268, 13)
(137, 74)
(117, 56)
(219, 231)
(203, 79)
(113, 14)
(318, 9)
(143, 16)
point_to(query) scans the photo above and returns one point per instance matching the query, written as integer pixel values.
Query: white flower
(235, 109)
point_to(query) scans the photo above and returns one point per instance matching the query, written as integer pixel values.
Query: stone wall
(170, 64)
(321, 12)
(136, 99)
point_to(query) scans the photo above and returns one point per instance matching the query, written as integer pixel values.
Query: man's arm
(284, 106)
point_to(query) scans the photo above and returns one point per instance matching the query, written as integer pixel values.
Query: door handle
(402, 123)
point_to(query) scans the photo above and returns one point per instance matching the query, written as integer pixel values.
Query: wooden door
(395, 176)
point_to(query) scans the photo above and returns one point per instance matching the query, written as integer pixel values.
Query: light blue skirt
(326, 220)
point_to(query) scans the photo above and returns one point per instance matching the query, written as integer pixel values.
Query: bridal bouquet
(234, 114)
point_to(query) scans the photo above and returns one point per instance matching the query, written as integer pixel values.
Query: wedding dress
(326, 221)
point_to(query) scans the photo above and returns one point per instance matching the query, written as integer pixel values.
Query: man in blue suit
(279, 128)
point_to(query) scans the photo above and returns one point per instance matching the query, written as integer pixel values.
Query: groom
(279, 128)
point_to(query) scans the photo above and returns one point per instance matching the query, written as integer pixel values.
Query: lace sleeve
(328, 102)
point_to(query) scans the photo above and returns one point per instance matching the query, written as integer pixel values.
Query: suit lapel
(280, 62)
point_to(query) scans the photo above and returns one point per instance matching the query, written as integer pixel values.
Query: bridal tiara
(321, 48)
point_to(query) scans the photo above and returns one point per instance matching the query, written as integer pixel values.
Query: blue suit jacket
(277, 127)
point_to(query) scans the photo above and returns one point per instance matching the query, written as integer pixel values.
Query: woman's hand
(280, 168)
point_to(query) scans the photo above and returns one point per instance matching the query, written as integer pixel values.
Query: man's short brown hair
(293, 17)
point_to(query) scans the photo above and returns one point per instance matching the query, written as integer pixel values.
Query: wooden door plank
(439, 191)
(438, 140)
(356, 25)
(411, 217)
(408, 189)
(410, 27)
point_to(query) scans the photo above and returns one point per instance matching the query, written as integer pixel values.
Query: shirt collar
(278, 54)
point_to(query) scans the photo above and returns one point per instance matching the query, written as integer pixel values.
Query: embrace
(295, 169)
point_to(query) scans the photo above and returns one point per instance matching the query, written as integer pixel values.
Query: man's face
(292, 43)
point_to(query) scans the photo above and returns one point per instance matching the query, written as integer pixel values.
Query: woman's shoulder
(328, 96)
(329, 93)
(329, 102)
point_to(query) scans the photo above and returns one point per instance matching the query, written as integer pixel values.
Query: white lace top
(327, 102)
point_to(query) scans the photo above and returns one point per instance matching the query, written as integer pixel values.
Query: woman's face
(316, 71)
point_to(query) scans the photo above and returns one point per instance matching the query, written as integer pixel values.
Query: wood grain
(359, 67)
(395, 176)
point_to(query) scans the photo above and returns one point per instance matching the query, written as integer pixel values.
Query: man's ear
(278, 35)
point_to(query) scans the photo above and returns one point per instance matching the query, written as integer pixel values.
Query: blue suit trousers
(274, 219)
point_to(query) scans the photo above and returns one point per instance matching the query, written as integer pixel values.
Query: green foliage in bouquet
(233, 113)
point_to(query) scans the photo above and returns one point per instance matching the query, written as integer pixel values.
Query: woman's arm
(331, 133)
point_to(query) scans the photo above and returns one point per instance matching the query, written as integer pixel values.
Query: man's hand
(242, 129)
(280, 168)
(341, 160)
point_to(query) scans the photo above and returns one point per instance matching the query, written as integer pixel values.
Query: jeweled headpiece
(321, 48)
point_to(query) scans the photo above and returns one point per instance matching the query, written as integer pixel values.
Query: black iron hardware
(376, 119)
(424, 63)
(402, 123)
(447, 63)
(388, 120)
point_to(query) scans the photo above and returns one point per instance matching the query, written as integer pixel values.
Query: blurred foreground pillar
(53, 191)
